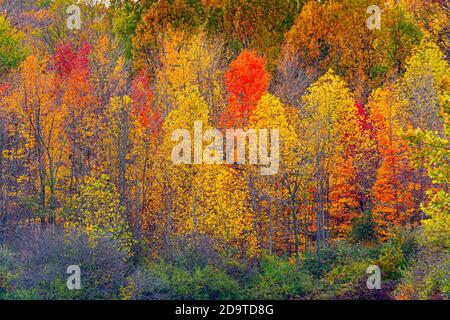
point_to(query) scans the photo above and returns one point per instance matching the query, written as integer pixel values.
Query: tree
(437, 153)
(127, 16)
(224, 213)
(162, 15)
(76, 95)
(12, 48)
(430, 140)
(354, 171)
(321, 39)
(246, 81)
(423, 91)
(253, 25)
(41, 124)
(98, 212)
(118, 135)
(393, 187)
(424, 85)
(188, 61)
(330, 112)
(288, 183)
(175, 197)
(432, 18)
(147, 129)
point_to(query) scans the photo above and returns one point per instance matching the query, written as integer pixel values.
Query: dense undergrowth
(33, 266)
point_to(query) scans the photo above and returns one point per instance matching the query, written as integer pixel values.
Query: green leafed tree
(12, 48)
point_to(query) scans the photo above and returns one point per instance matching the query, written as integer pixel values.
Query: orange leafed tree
(354, 171)
(246, 82)
(392, 189)
(74, 87)
(142, 102)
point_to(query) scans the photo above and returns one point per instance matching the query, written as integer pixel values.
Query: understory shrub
(37, 269)
(200, 283)
(280, 279)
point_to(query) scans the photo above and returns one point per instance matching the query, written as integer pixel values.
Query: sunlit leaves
(12, 48)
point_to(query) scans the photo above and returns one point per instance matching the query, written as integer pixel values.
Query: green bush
(339, 253)
(6, 272)
(396, 255)
(279, 279)
(345, 279)
(390, 262)
(144, 284)
(319, 265)
(200, 283)
(363, 229)
(342, 270)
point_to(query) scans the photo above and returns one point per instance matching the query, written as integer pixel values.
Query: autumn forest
(91, 93)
